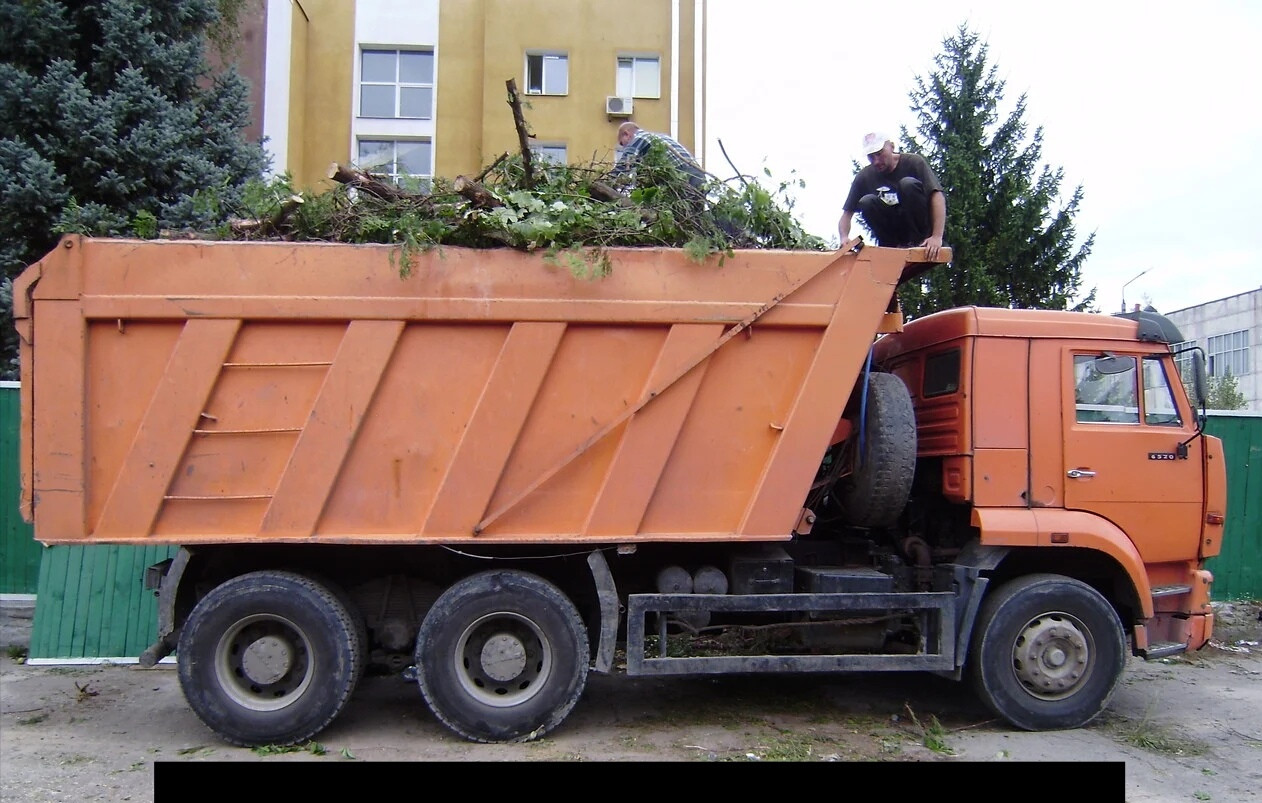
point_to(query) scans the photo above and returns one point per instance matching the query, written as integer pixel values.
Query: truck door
(1122, 453)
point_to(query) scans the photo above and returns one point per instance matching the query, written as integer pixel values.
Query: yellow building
(419, 87)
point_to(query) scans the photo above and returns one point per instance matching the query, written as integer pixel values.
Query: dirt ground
(1187, 728)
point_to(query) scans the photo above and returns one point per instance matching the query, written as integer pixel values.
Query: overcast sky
(1154, 108)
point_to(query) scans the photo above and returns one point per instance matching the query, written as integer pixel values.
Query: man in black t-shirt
(899, 197)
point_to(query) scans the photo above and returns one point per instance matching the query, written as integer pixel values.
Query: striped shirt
(643, 140)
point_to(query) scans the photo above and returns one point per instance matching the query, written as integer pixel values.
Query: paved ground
(1187, 729)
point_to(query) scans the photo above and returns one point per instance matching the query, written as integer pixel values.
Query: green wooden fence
(19, 553)
(1238, 568)
(92, 605)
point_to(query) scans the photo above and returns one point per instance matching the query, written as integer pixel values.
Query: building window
(1229, 354)
(547, 74)
(407, 163)
(550, 153)
(1183, 359)
(639, 77)
(397, 83)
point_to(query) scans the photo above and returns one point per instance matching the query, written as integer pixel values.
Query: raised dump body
(489, 475)
(274, 392)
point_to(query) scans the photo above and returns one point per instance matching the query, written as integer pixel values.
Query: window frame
(424, 180)
(540, 151)
(545, 56)
(1229, 347)
(398, 84)
(636, 91)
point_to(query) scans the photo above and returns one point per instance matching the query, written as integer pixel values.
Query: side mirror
(1108, 364)
(1199, 380)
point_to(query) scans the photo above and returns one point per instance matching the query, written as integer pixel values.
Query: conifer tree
(1012, 237)
(112, 121)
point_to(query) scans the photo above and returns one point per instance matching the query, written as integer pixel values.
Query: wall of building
(1242, 312)
(313, 48)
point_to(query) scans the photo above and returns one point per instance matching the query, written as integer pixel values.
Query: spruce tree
(111, 122)
(1012, 238)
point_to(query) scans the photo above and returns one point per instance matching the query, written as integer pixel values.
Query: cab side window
(1159, 407)
(1105, 389)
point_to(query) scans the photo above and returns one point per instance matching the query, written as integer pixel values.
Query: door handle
(1077, 473)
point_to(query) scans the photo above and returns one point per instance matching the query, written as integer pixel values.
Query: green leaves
(559, 215)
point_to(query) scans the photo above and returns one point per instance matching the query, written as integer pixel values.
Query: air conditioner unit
(617, 107)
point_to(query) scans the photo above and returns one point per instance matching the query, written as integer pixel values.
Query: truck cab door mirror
(1199, 380)
(1108, 364)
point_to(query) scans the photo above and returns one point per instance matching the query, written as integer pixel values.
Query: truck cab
(1068, 441)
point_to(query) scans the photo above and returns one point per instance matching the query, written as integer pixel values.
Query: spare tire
(875, 493)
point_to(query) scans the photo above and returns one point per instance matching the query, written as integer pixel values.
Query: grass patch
(314, 748)
(932, 734)
(77, 759)
(1156, 738)
(17, 653)
(34, 720)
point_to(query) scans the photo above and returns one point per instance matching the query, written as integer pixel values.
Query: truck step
(1164, 649)
(1169, 591)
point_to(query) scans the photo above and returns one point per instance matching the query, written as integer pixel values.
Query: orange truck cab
(489, 475)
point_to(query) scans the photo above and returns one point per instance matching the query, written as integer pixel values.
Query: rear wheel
(502, 656)
(1047, 653)
(269, 657)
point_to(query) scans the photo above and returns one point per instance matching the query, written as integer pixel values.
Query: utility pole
(1133, 278)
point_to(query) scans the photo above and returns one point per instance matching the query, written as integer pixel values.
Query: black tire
(1047, 653)
(537, 638)
(363, 647)
(269, 658)
(876, 492)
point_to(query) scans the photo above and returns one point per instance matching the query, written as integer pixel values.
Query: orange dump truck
(489, 476)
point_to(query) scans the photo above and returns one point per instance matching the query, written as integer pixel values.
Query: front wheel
(502, 656)
(269, 657)
(1047, 653)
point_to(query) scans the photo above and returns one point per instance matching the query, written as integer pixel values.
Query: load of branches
(572, 212)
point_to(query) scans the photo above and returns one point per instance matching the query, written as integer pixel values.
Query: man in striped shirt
(634, 142)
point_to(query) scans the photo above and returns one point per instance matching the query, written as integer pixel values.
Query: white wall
(1231, 314)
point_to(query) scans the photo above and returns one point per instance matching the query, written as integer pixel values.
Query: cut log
(366, 183)
(475, 193)
(603, 192)
(272, 224)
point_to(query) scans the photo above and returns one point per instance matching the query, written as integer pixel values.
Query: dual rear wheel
(272, 657)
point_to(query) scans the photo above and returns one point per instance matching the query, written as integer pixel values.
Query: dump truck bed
(218, 392)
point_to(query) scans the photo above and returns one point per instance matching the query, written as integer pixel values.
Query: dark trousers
(900, 225)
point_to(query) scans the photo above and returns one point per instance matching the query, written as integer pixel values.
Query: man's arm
(937, 223)
(629, 156)
(843, 226)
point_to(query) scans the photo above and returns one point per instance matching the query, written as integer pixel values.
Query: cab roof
(1027, 323)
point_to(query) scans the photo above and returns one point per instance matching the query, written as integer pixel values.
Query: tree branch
(523, 136)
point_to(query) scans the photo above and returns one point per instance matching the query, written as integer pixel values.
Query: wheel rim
(1053, 656)
(503, 659)
(263, 662)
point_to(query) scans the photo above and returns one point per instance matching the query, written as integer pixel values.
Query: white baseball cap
(874, 142)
